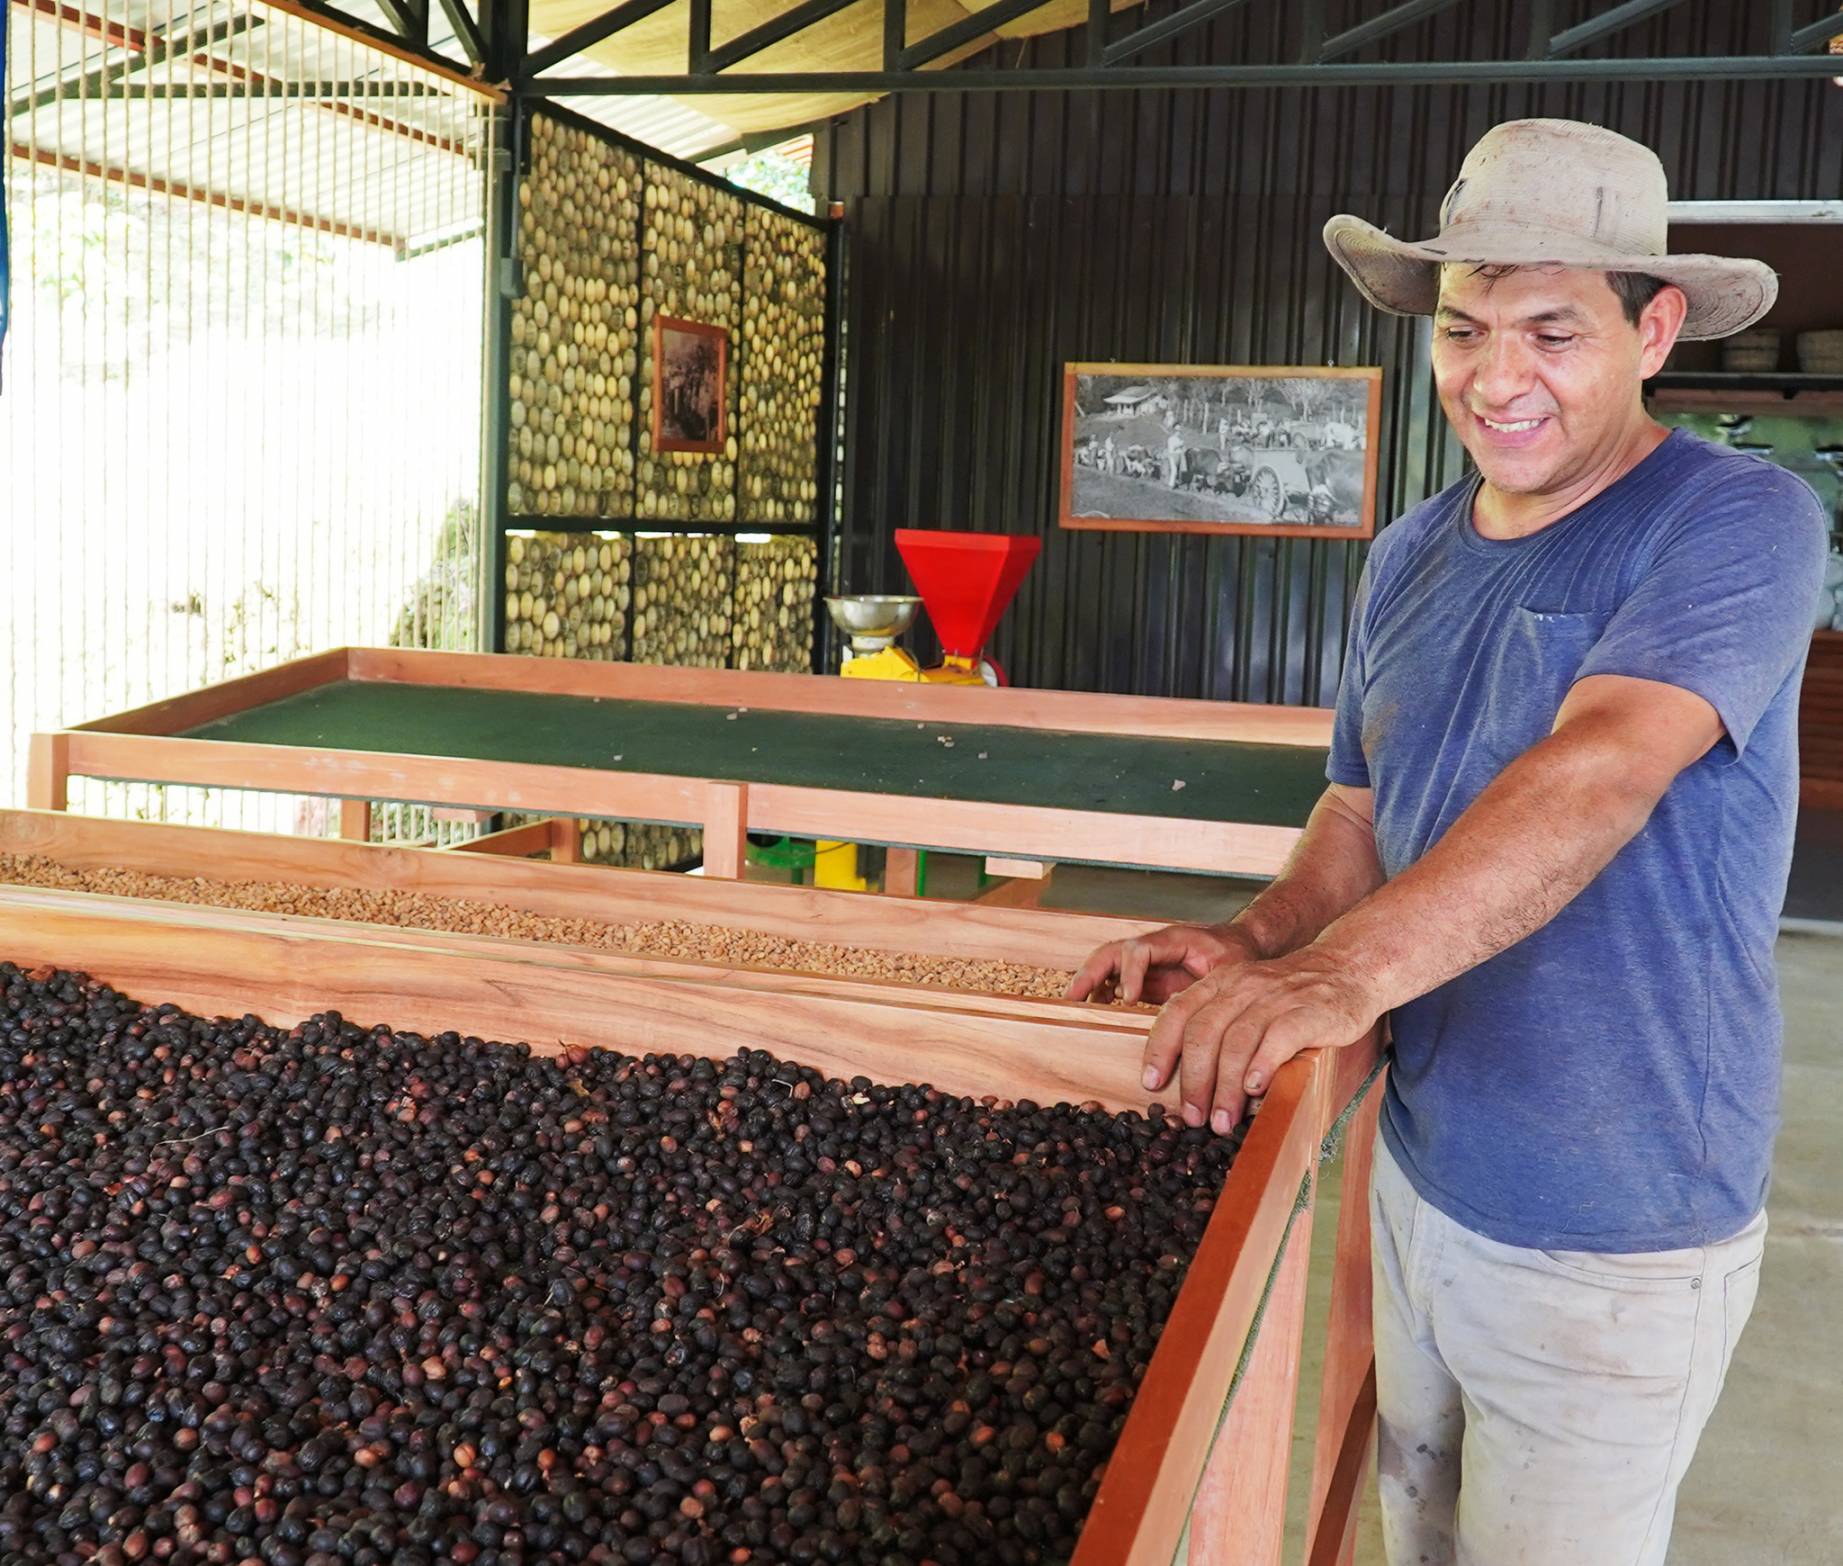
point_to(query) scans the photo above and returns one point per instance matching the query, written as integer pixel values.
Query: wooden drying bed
(1215, 787)
(1171, 1465)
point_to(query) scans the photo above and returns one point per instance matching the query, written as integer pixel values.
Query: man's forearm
(1332, 868)
(1543, 829)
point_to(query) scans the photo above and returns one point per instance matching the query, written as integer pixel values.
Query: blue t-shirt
(1611, 1082)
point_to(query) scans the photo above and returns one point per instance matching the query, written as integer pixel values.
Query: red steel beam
(119, 34)
(160, 185)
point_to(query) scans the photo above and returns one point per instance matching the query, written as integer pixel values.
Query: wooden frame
(1820, 724)
(145, 745)
(1279, 478)
(667, 326)
(1171, 1464)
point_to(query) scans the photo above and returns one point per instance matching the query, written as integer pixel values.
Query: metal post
(504, 41)
(825, 514)
(895, 32)
(502, 283)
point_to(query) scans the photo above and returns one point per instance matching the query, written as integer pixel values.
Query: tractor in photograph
(1282, 484)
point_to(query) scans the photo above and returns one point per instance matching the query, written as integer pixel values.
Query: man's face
(1538, 370)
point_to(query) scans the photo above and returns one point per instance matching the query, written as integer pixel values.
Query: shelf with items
(1787, 383)
(1740, 391)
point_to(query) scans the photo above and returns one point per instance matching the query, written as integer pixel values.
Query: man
(1174, 456)
(1552, 853)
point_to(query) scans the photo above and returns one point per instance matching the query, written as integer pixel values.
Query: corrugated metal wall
(995, 237)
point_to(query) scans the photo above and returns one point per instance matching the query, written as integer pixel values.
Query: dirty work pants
(1539, 1408)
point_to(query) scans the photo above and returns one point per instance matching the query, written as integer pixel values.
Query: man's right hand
(1156, 966)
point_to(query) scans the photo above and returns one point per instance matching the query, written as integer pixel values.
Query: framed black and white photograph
(690, 385)
(1289, 451)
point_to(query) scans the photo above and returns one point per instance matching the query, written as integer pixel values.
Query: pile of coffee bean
(327, 1294)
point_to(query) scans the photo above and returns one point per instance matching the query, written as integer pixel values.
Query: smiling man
(1553, 851)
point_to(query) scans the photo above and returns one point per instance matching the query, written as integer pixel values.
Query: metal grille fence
(241, 407)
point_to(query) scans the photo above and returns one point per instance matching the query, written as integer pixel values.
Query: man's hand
(1156, 966)
(1233, 1029)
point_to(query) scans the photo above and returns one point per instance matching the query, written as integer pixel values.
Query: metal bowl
(885, 616)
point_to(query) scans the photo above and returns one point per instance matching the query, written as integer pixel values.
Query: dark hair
(1635, 289)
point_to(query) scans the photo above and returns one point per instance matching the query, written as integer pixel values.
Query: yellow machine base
(835, 865)
(892, 663)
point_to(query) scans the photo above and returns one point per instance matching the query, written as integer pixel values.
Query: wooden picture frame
(1284, 451)
(690, 413)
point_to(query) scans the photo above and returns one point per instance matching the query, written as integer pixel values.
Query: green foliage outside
(772, 173)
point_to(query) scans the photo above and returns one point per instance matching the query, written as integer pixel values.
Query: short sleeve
(1725, 607)
(1347, 763)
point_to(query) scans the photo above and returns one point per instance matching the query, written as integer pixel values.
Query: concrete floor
(1767, 1483)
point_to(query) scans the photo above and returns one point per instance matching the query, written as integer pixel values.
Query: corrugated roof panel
(664, 123)
(247, 107)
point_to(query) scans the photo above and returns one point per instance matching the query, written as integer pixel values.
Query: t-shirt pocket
(1551, 646)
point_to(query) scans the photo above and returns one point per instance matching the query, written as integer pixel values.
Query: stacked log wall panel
(567, 595)
(772, 627)
(781, 365)
(691, 270)
(606, 242)
(574, 327)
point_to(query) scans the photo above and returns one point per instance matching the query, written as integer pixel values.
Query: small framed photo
(691, 364)
(1168, 448)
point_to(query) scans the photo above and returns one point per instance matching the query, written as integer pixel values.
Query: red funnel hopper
(967, 580)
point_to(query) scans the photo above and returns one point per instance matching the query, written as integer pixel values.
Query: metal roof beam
(1377, 27)
(154, 50)
(700, 37)
(895, 32)
(466, 34)
(1779, 24)
(965, 31)
(1605, 24)
(1311, 30)
(1541, 28)
(1816, 35)
(382, 39)
(1142, 38)
(772, 32)
(401, 15)
(1379, 73)
(592, 32)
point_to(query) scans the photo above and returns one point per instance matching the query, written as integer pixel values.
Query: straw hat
(1553, 192)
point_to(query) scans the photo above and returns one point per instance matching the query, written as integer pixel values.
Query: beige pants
(1539, 1408)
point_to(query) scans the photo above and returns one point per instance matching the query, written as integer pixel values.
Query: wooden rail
(149, 744)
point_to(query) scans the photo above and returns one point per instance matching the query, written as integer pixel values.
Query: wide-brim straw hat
(1553, 193)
